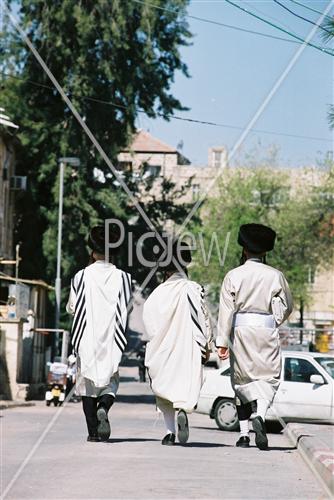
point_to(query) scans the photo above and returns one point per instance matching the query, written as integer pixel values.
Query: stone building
(7, 185)
(148, 156)
(23, 303)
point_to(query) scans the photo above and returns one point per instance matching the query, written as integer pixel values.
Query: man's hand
(223, 352)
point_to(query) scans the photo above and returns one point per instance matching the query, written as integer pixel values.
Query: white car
(306, 392)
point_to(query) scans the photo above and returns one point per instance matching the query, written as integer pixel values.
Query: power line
(311, 9)
(302, 17)
(169, 117)
(322, 49)
(300, 39)
(217, 23)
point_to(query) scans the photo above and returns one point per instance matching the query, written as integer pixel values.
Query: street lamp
(75, 162)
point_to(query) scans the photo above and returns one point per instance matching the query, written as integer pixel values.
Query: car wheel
(225, 415)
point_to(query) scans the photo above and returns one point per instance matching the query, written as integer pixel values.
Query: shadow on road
(129, 440)
(205, 445)
(281, 448)
(137, 398)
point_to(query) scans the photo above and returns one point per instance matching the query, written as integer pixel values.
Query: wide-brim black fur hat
(256, 238)
(96, 238)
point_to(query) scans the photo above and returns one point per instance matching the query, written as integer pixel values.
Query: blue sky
(232, 72)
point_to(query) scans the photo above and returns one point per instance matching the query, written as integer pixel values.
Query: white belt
(254, 319)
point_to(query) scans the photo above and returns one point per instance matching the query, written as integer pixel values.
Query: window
(311, 275)
(196, 191)
(124, 166)
(328, 364)
(298, 370)
(152, 170)
(217, 158)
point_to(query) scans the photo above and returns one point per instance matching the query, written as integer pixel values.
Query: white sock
(262, 408)
(244, 427)
(169, 418)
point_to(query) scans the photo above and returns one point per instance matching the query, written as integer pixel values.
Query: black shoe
(103, 427)
(93, 439)
(182, 427)
(168, 440)
(259, 428)
(243, 442)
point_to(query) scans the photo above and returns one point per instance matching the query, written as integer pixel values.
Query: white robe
(176, 324)
(255, 354)
(99, 299)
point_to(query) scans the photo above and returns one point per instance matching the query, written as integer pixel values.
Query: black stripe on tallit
(80, 336)
(120, 338)
(197, 324)
(129, 282)
(119, 344)
(126, 290)
(203, 350)
(81, 328)
(80, 314)
(192, 305)
(73, 286)
(121, 335)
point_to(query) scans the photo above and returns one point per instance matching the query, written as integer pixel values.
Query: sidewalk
(316, 444)
(5, 405)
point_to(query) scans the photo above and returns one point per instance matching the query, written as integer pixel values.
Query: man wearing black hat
(255, 299)
(99, 300)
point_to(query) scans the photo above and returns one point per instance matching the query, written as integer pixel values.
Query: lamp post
(75, 162)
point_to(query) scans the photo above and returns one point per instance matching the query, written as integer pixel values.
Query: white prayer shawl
(175, 323)
(99, 298)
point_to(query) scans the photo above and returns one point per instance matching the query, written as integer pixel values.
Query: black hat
(97, 235)
(256, 238)
(179, 252)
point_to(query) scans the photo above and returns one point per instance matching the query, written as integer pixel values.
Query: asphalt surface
(133, 464)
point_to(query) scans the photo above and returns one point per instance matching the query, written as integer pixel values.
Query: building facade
(7, 193)
(147, 156)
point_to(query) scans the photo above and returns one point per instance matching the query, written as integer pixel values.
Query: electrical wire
(311, 9)
(217, 23)
(268, 16)
(322, 49)
(169, 117)
(296, 37)
(302, 17)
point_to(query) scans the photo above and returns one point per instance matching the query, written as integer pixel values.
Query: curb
(7, 405)
(320, 456)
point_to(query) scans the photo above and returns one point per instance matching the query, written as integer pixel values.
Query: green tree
(113, 59)
(301, 214)
(328, 36)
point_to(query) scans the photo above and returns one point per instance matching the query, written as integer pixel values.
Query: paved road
(135, 465)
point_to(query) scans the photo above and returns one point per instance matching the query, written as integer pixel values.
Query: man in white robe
(178, 329)
(255, 299)
(100, 299)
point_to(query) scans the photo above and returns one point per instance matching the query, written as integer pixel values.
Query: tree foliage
(300, 210)
(328, 36)
(113, 59)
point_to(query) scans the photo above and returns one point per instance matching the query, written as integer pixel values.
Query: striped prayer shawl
(199, 335)
(79, 321)
(124, 297)
(124, 303)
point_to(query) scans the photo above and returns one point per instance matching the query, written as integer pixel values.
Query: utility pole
(75, 162)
